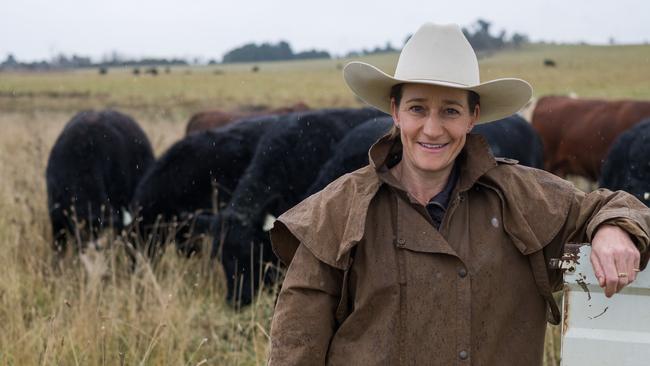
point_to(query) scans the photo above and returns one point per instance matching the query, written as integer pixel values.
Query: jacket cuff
(638, 236)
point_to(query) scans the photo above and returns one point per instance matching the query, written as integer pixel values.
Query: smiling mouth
(432, 146)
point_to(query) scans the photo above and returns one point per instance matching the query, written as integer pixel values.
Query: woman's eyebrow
(452, 101)
(444, 101)
(420, 99)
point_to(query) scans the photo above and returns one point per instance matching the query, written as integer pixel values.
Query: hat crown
(438, 53)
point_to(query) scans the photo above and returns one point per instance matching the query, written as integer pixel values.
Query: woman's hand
(614, 257)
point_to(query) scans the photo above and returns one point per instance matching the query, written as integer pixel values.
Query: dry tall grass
(65, 314)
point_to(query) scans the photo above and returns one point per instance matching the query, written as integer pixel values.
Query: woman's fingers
(598, 269)
(614, 258)
(634, 263)
(622, 271)
(606, 272)
(611, 275)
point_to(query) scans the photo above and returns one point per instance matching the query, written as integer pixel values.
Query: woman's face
(433, 122)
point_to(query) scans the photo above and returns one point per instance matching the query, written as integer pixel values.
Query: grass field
(175, 313)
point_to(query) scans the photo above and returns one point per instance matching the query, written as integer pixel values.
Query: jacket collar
(475, 160)
(330, 237)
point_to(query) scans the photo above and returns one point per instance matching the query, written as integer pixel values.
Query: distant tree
(252, 52)
(500, 40)
(388, 47)
(481, 39)
(80, 61)
(519, 39)
(10, 61)
(484, 26)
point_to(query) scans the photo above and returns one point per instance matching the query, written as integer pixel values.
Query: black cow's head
(244, 249)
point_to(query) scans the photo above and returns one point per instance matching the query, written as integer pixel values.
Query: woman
(436, 252)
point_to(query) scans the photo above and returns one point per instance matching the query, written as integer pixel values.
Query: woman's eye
(416, 109)
(451, 111)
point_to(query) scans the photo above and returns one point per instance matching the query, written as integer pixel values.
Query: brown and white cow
(577, 133)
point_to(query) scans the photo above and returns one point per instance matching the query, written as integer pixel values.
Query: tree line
(62, 62)
(479, 35)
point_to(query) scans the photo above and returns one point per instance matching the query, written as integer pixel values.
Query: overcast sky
(40, 29)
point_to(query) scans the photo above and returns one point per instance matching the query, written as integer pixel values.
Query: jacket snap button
(463, 355)
(401, 241)
(462, 272)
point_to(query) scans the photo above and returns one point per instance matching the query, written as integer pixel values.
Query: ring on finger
(622, 275)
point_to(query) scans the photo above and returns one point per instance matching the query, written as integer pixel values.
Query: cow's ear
(127, 218)
(269, 220)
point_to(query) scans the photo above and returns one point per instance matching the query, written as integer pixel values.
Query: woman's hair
(473, 99)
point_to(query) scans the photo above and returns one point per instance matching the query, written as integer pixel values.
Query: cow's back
(626, 165)
(577, 133)
(513, 137)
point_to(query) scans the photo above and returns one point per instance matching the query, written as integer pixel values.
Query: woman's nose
(433, 126)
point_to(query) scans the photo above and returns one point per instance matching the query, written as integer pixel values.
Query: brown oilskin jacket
(372, 282)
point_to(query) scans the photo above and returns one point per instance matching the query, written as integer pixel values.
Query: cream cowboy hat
(438, 55)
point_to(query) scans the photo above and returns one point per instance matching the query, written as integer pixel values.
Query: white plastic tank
(600, 331)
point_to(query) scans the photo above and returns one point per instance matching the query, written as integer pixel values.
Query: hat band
(435, 81)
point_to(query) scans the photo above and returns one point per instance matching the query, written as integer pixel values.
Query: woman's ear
(394, 112)
(475, 117)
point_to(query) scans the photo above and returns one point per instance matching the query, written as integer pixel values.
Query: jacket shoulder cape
(331, 222)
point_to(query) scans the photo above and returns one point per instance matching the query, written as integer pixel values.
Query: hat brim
(500, 98)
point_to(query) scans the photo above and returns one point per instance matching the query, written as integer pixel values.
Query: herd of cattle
(232, 173)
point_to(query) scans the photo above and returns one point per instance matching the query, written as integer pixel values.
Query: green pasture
(589, 71)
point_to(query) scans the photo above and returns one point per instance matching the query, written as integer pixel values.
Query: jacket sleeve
(588, 211)
(304, 319)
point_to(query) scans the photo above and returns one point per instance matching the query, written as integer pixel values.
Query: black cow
(285, 164)
(351, 153)
(513, 137)
(196, 174)
(627, 165)
(92, 172)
